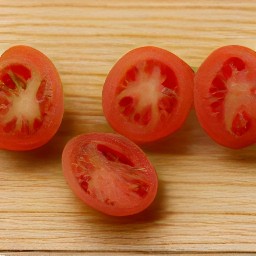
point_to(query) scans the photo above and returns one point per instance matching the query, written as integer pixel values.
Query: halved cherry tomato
(225, 96)
(31, 99)
(148, 94)
(109, 173)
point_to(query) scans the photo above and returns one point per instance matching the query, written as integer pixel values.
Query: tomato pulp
(148, 94)
(31, 99)
(109, 173)
(225, 96)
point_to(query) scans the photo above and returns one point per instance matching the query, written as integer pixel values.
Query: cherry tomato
(109, 173)
(148, 94)
(225, 96)
(31, 99)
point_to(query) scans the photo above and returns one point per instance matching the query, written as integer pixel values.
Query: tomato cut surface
(31, 99)
(148, 94)
(225, 96)
(109, 173)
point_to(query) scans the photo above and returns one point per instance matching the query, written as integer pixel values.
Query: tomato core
(107, 174)
(153, 79)
(23, 97)
(229, 85)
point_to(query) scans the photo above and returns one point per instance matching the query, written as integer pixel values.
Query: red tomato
(148, 94)
(109, 173)
(31, 99)
(225, 96)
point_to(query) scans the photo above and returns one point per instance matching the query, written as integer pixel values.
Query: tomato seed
(235, 63)
(84, 182)
(241, 123)
(127, 105)
(109, 202)
(128, 110)
(146, 115)
(141, 188)
(170, 81)
(41, 91)
(7, 80)
(21, 71)
(217, 106)
(226, 71)
(113, 155)
(131, 74)
(219, 84)
(10, 126)
(45, 106)
(167, 104)
(25, 126)
(126, 101)
(220, 95)
(4, 105)
(37, 124)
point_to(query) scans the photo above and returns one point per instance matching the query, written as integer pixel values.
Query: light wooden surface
(207, 196)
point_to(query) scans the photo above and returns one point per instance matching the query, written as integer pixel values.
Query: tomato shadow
(36, 160)
(179, 142)
(150, 215)
(71, 126)
(244, 156)
(108, 229)
(45, 155)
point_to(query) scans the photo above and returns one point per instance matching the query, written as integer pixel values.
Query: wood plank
(47, 253)
(206, 200)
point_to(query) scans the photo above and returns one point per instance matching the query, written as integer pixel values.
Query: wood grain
(206, 200)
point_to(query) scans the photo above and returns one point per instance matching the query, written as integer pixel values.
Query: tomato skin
(42, 65)
(213, 70)
(178, 71)
(134, 165)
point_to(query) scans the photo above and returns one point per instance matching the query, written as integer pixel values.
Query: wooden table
(207, 196)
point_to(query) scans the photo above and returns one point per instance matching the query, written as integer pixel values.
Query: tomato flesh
(148, 94)
(23, 113)
(225, 96)
(31, 99)
(109, 173)
(159, 84)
